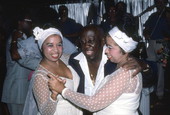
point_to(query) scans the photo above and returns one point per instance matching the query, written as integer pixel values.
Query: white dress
(118, 94)
(39, 101)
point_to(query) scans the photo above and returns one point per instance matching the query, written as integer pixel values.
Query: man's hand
(133, 63)
(14, 49)
(16, 34)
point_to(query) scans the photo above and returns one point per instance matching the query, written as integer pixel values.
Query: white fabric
(39, 102)
(89, 87)
(119, 93)
(41, 35)
(74, 11)
(41, 92)
(136, 7)
(125, 42)
(144, 106)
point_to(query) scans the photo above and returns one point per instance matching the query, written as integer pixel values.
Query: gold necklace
(92, 78)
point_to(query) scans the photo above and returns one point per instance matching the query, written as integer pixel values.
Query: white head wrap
(41, 35)
(125, 42)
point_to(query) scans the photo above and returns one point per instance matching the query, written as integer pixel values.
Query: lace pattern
(46, 105)
(118, 83)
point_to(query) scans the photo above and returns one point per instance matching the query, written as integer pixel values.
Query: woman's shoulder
(123, 72)
(41, 72)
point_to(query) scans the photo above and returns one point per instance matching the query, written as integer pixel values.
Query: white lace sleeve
(42, 94)
(118, 83)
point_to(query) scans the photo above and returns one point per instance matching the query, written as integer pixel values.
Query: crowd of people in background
(35, 42)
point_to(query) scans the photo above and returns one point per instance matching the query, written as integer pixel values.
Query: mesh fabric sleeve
(119, 83)
(46, 105)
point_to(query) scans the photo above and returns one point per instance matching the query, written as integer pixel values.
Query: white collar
(80, 56)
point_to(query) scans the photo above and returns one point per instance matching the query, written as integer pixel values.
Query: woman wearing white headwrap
(40, 99)
(119, 93)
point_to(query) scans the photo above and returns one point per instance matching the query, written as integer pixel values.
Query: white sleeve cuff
(63, 92)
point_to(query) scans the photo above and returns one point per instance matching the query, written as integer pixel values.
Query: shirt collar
(81, 56)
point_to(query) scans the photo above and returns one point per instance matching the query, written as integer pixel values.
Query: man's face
(63, 13)
(90, 44)
(112, 14)
(121, 8)
(26, 25)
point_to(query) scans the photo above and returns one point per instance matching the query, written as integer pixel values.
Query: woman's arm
(46, 100)
(111, 90)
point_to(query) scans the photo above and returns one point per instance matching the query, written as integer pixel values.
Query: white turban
(125, 42)
(41, 35)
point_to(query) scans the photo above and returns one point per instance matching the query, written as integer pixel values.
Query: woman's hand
(54, 95)
(56, 84)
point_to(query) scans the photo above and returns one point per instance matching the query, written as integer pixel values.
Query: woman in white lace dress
(119, 93)
(40, 99)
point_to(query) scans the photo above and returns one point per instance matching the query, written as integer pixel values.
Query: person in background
(166, 45)
(69, 28)
(40, 99)
(124, 19)
(28, 54)
(156, 27)
(16, 82)
(119, 92)
(109, 20)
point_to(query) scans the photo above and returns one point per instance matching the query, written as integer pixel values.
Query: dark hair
(123, 4)
(165, 1)
(123, 52)
(48, 25)
(128, 25)
(62, 7)
(109, 4)
(22, 14)
(96, 28)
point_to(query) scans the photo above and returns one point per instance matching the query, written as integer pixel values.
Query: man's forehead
(89, 33)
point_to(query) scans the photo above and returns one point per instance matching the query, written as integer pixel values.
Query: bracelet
(147, 68)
